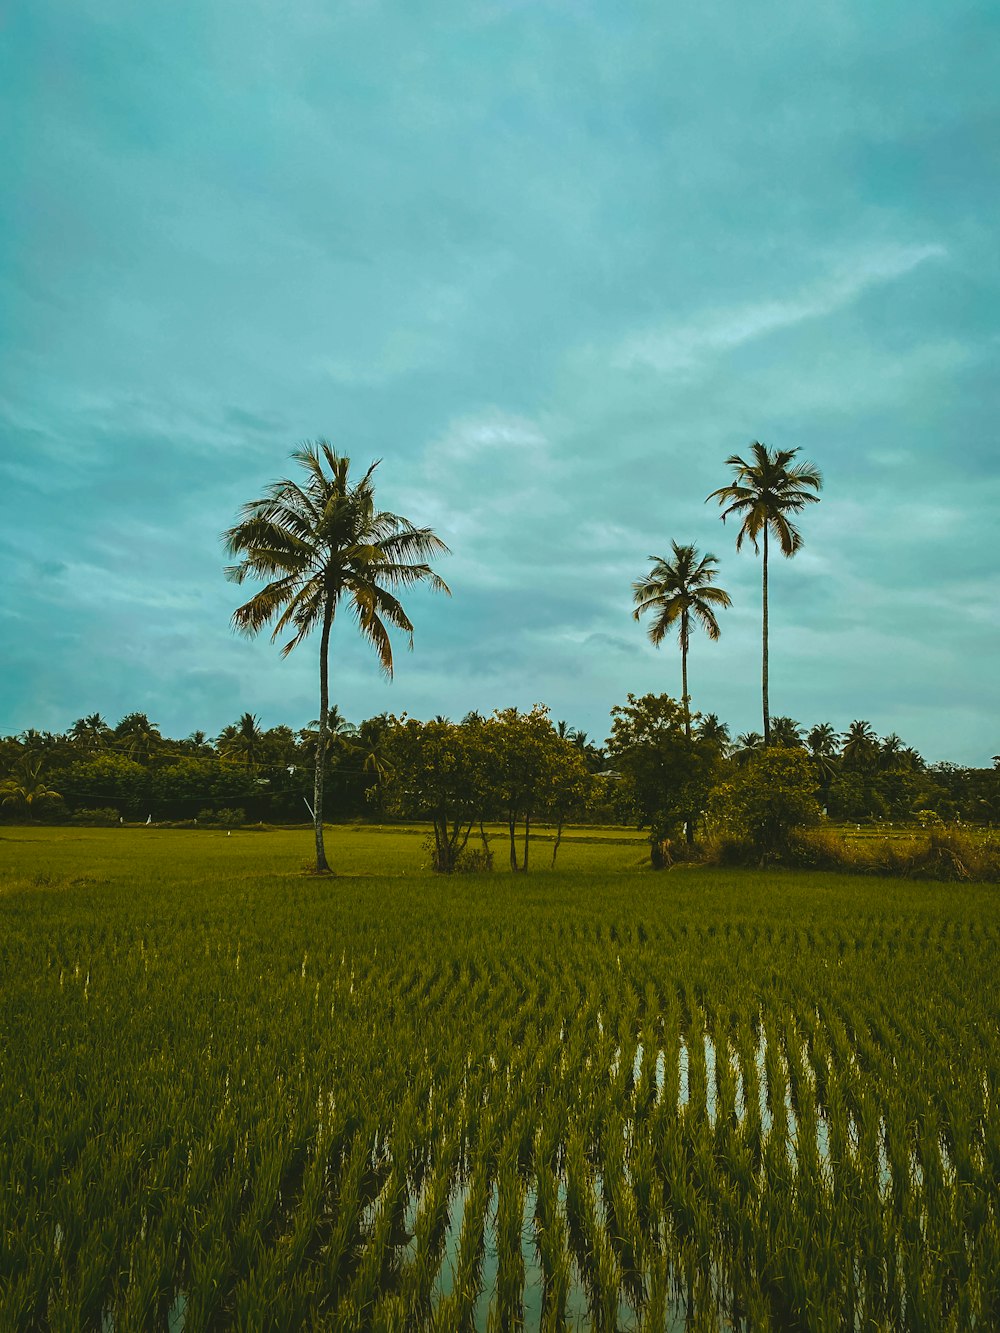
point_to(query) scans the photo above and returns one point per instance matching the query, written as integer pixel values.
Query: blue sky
(553, 263)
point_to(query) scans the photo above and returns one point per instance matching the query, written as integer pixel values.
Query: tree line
(662, 767)
(320, 544)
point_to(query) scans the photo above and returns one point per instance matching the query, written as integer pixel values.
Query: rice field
(235, 1097)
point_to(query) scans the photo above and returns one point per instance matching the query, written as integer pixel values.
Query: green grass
(168, 856)
(245, 1097)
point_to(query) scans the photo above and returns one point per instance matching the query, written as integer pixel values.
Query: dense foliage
(650, 773)
(742, 1100)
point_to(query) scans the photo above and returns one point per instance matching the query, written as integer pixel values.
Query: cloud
(682, 348)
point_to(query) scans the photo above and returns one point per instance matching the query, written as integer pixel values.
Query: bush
(773, 794)
(224, 818)
(946, 855)
(474, 861)
(103, 817)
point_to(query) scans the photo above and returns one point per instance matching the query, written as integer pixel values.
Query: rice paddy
(232, 1096)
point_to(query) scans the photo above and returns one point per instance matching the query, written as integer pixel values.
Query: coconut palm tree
(716, 732)
(787, 732)
(137, 737)
(676, 591)
(765, 492)
(27, 786)
(243, 742)
(748, 743)
(318, 543)
(860, 745)
(822, 741)
(91, 731)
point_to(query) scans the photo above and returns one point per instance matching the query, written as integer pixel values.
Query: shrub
(474, 861)
(771, 795)
(949, 855)
(103, 817)
(224, 818)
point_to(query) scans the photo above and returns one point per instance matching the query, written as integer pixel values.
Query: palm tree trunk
(324, 696)
(763, 677)
(689, 822)
(684, 675)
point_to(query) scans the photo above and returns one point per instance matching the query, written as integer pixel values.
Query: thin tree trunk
(555, 845)
(767, 715)
(527, 830)
(324, 700)
(512, 829)
(689, 822)
(487, 849)
(684, 675)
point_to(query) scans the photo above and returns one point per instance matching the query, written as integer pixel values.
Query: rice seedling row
(633, 1104)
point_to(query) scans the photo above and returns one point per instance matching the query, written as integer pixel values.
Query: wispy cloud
(681, 347)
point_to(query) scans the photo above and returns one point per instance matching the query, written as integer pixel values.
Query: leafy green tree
(317, 543)
(108, 779)
(766, 491)
(571, 787)
(667, 773)
(525, 754)
(771, 795)
(678, 592)
(437, 770)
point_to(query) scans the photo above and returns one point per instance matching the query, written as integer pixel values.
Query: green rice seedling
(417, 1281)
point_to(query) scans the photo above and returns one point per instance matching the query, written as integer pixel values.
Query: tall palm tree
(676, 591)
(320, 542)
(765, 492)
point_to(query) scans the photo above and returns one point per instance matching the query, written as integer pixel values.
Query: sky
(552, 263)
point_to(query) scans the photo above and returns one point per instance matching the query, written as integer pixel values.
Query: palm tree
(715, 732)
(318, 543)
(675, 592)
(91, 731)
(765, 492)
(244, 741)
(337, 728)
(822, 741)
(787, 732)
(27, 786)
(747, 745)
(137, 737)
(860, 745)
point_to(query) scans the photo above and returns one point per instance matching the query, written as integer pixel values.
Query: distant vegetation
(320, 543)
(692, 794)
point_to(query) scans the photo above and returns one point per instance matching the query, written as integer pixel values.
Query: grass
(238, 1095)
(30, 855)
